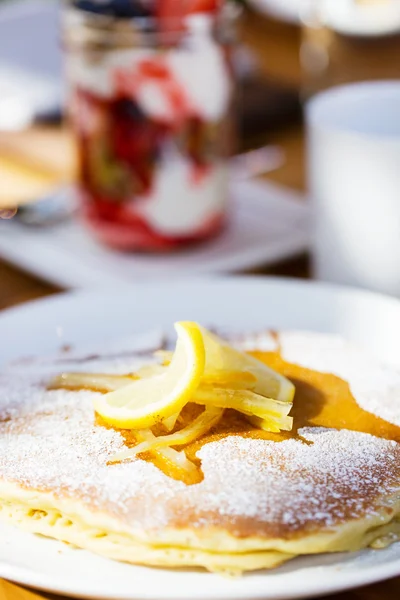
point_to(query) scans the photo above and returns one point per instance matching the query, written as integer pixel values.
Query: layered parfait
(150, 96)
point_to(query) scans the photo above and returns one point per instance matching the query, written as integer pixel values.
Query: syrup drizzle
(325, 400)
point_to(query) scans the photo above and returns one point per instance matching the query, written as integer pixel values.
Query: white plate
(240, 304)
(268, 223)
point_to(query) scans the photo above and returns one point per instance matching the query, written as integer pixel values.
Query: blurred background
(162, 138)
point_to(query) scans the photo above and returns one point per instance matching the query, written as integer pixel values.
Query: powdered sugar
(53, 443)
(290, 484)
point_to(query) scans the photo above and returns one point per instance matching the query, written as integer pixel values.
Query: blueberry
(128, 109)
(117, 8)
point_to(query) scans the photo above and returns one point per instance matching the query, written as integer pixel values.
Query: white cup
(354, 182)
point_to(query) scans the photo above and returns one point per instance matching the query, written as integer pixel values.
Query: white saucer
(268, 223)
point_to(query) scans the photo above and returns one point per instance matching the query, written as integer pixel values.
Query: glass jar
(150, 105)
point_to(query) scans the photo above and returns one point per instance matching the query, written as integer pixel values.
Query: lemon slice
(172, 461)
(178, 459)
(200, 426)
(148, 401)
(244, 401)
(228, 367)
(271, 424)
(232, 379)
(170, 422)
(238, 380)
(221, 357)
(97, 382)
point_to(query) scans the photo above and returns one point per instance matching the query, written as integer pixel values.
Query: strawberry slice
(171, 12)
(198, 6)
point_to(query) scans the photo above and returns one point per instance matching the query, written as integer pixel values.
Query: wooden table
(278, 47)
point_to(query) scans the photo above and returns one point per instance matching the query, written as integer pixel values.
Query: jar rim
(82, 26)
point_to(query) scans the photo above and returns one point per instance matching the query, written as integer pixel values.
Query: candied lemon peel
(203, 370)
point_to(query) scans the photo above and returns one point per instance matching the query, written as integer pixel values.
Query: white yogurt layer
(177, 205)
(198, 66)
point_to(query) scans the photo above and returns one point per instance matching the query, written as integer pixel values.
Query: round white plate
(240, 304)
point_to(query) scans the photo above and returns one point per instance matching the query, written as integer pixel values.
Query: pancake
(332, 484)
